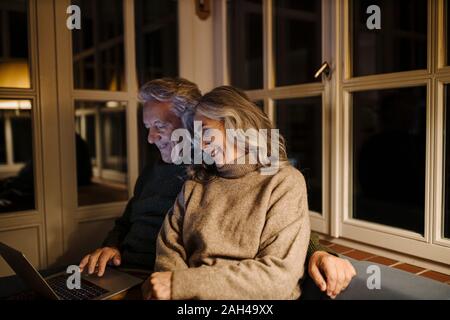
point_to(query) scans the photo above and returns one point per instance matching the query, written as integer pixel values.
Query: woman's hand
(158, 286)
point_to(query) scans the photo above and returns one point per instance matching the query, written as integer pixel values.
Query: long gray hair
(234, 108)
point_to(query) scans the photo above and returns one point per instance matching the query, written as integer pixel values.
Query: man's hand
(337, 272)
(158, 286)
(99, 258)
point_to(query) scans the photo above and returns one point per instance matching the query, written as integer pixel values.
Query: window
(98, 47)
(389, 137)
(392, 129)
(388, 132)
(400, 44)
(300, 123)
(156, 39)
(101, 152)
(245, 32)
(156, 30)
(447, 165)
(14, 55)
(21, 131)
(16, 156)
(298, 41)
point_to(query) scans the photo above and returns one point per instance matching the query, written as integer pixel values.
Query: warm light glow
(14, 74)
(15, 105)
(112, 104)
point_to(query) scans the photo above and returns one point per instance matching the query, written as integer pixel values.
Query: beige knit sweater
(243, 235)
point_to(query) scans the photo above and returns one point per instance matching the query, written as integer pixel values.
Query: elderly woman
(235, 230)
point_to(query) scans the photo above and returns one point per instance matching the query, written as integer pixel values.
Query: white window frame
(431, 245)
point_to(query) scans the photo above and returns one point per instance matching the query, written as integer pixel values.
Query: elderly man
(132, 241)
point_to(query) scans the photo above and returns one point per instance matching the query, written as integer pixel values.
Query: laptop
(55, 286)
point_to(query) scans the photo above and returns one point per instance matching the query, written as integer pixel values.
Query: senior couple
(219, 229)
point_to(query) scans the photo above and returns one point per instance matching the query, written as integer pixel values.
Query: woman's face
(213, 139)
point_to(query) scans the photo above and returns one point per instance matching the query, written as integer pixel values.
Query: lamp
(14, 74)
(203, 8)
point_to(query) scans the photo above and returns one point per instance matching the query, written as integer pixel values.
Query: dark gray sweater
(136, 231)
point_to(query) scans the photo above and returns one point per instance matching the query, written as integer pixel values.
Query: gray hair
(234, 108)
(183, 94)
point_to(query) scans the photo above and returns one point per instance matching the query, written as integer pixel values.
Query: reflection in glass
(245, 43)
(300, 123)
(98, 48)
(297, 41)
(101, 150)
(16, 156)
(14, 63)
(447, 164)
(389, 136)
(400, 44)
(156, 39)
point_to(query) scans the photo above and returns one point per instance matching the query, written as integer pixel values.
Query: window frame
(430, 246)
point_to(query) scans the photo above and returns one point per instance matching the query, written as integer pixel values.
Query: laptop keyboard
(88, 290)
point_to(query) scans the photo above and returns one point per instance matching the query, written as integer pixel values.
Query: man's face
(160, 121)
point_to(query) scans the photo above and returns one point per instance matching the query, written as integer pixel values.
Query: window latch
(325, 69)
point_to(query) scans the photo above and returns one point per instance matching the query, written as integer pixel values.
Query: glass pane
(298, 40)
(16, 156)
(245, 43)
(2, 139)
(447, 17)
(14, 62)
(447, 165)
(156, 39)
(389, 136)
(98, 47)
(300, 123)
(21, 131)
(400, 44)
(101, 149)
